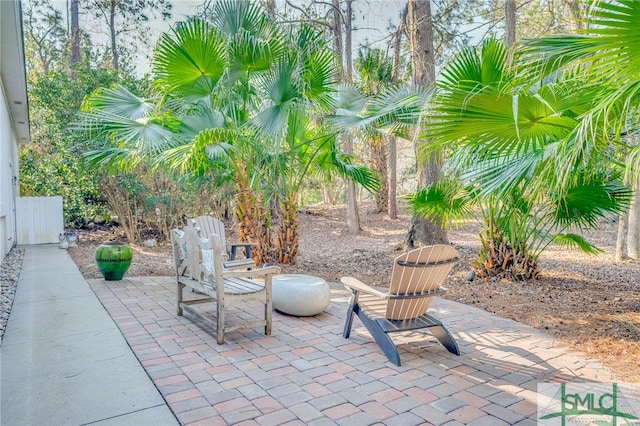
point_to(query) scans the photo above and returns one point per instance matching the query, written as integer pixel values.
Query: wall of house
(9, 185)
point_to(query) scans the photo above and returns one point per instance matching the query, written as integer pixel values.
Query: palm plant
(604, 55)
(238, 99)
(503, 139)
(375, 72)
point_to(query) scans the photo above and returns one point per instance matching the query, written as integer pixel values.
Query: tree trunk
(348, 50)
(392, 185)
(576, 15)
(271, 8)
(380, 163)
(397, 43)
(337, 38)
(345, 63)
(75, 33)
(112, 30)
(353, 218)
(633, 230)
(510, 22)
(392, 203)
(420, 33)
(621, 241)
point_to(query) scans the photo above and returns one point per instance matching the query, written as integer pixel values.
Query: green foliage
(504, 137)
(603, 60)
(236, 100)
(51, 164)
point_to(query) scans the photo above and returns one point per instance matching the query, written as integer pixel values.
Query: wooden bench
(199, 265)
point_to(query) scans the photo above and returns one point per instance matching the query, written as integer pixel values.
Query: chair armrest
(269, 270)
(239, 264)
(242, 244)
(355, 284)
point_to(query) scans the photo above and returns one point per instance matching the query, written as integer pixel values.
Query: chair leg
(220, 322)
(382, 339)
(353, 302)
(349, 321)
(268, 313)
(442, 334)
(179, 299)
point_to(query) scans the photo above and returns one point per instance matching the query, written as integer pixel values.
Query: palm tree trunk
(379, 163)
(245, 213)
(499, 259)
(263, 252)
(246, 205)
(288, 233)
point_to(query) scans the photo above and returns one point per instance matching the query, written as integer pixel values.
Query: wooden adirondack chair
(199, 265)
(209, 225)
(416, 278)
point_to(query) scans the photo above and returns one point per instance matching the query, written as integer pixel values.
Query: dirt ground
(589, 302)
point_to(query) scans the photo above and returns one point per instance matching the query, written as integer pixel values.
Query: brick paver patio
(307, 373)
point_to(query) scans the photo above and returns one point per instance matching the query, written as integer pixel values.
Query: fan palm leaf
(606, 56)
(191, 61)
(126, 119)
(506, 144)
(444, 202)
(395, 108)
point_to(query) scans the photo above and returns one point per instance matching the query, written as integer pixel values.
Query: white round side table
(300, 295)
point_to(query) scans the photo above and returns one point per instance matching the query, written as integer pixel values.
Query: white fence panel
(39, 220)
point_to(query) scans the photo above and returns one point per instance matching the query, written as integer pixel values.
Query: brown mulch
(590, 302)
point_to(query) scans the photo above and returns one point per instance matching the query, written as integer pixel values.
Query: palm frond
(191, 60)
(395, 106)
(444, 202)
(233, 16)
(591, 199)
(318, 63)
(200, 155)
(633, 166)
(496, 174)
(248, 54)
(575, 241)
(113, 159)
(119, 101)
(349, 100)
(471, 68)
(120, 116)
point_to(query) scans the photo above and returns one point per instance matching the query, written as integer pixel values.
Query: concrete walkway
(64, 361)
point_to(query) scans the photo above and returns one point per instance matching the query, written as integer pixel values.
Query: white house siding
(14, 117)
(8, 171)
